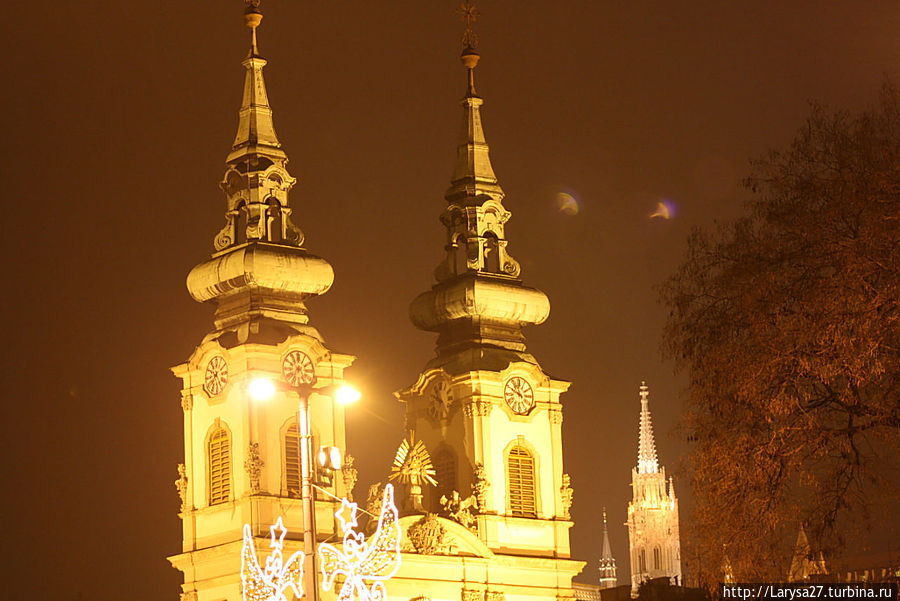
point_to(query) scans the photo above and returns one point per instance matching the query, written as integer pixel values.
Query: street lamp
(262, 389)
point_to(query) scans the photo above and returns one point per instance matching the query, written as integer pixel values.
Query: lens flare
(665, 209)
(566, 203)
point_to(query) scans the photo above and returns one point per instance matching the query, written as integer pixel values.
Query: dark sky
(117, 120)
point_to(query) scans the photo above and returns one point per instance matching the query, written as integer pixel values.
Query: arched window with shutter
(656, 558)
(218, 452)
(444, 462)
(292, 460)
(520, 484)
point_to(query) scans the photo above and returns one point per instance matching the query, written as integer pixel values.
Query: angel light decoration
(365, 566)
(270, 584)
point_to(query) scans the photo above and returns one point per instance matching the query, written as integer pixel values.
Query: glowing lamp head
(330, 458)
(261, 389)
(346, 394)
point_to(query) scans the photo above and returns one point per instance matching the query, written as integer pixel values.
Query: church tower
(489, 415)
(607, 561)
(242, 457)
(653, 512)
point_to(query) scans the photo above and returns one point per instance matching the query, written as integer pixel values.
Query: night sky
(117, 119)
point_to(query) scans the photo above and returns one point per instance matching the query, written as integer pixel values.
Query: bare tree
(787, 325)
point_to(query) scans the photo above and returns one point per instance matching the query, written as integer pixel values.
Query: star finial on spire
(469, 14)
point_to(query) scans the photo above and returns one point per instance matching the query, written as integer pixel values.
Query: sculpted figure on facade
(566, 493)
(460, 510)
(351, 475)
(480, 486)
(181, 484)
(253, 466)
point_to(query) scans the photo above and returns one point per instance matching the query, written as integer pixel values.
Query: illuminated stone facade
(655, 548)
(241, 457)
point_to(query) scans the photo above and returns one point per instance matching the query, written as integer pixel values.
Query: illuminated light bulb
(261, 389)
(330, 458)
(347, 394)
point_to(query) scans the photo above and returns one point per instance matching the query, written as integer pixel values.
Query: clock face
(519, 395)
(216, 375)
(440, 400)
(298, 368)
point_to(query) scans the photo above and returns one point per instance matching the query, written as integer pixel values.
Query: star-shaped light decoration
(346, 515)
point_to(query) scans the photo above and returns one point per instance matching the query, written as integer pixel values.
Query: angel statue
(365, 566)
(269, 584)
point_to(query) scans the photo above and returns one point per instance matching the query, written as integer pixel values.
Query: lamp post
(307, 498)
(263, 389)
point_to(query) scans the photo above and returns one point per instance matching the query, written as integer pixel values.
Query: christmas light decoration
(269, 584)
(364, 566)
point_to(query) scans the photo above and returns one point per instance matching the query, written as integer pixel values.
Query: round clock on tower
(519, 395)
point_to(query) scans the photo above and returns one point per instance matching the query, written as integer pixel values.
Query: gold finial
(469, 14)
(252, 18)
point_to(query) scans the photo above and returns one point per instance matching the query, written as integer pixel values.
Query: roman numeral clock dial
(519, 395)
(216, 376)
(298, 368)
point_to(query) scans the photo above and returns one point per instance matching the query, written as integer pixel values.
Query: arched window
(292, 460)
(520, 483)
(219, 457)
(642, 561)
(491, 253)
(444, 462)
(656, 558)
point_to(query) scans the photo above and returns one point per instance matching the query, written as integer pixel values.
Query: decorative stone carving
(566, 493)
(478, 408)
(413, 467)
(189, 596)
(556, 417)
(495, 596)
(351, 475)
(471, 595)
(460, 510)
(373, 504)
(480, 486)
(428, 535)
(187, 401)
(181, 486)
(253, 466)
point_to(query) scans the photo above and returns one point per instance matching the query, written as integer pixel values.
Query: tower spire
(607, 561)
(647, 461)
(473, 175)
(260, 270)
(479, 300)
(256, 131)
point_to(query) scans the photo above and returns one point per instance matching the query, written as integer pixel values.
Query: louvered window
(292, 461)
(520, 478)
(219, 454)
(445, 471)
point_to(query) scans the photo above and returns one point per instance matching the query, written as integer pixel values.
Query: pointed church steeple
(647, 461)
(256, 130)
(607, 561)
(653, 533)
(260, 274)
(473, 175)
(479, 300)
